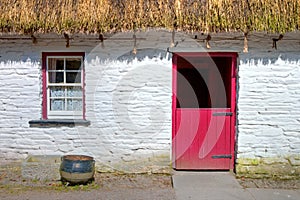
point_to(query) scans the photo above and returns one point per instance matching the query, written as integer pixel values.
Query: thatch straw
(27, 16)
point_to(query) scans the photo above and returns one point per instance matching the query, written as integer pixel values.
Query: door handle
(222, 114)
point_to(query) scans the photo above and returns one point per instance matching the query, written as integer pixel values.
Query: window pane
(55, 64)
(74, 92)
(73, 64)
(57, 104)
(74, 104)
(57, 91)
(73, 77)
(56, 77)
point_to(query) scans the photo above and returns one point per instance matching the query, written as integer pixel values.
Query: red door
(204, 110)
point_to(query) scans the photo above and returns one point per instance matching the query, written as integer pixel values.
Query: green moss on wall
(281, 168)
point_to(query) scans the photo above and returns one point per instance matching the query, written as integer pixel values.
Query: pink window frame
(44, 80)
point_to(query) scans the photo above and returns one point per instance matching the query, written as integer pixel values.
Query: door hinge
(221, 156)
(222, 114)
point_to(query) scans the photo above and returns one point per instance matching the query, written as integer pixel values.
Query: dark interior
(204, 82)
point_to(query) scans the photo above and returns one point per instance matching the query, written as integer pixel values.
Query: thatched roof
(28, 16)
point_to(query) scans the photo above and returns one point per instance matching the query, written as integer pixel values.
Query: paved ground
(223, 186)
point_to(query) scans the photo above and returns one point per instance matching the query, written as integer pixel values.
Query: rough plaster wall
(268, 109)
(129, 104)
(21, 99)
(19, 102)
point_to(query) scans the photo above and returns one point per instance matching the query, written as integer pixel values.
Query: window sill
(59, 122)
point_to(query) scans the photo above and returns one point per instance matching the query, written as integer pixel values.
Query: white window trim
(64, 114)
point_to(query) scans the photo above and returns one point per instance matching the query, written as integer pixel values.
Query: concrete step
(214, 185)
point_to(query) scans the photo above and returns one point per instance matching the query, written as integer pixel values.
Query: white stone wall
(129, 106)
(129, 103)
(269, 109)
(19, 102)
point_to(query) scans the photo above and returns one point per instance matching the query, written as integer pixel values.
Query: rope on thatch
(245, 50)
(34, 39)
(207, 39)
(134, 51)
(67, 37)
(173, 39)
(203, 38)
(101, 37)
(276, 40)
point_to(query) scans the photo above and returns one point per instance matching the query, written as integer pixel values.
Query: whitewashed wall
(269, 109)
(269, 118)
(129, 104)
(19, 102)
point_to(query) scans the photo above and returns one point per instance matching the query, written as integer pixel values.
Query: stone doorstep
(41, 167)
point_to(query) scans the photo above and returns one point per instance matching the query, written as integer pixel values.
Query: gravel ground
(105, 186)
(270, 183)
(108, 186)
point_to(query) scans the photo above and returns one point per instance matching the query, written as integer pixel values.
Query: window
(63, 85)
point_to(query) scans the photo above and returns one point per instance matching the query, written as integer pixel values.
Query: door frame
(233, 104)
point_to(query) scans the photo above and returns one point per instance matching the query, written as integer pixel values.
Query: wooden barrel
(77, 169)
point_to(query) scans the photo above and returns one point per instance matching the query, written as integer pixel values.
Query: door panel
(202, 139)
(204, 111)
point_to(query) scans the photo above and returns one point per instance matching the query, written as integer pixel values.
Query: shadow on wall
(19, 56)
(141, 54)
